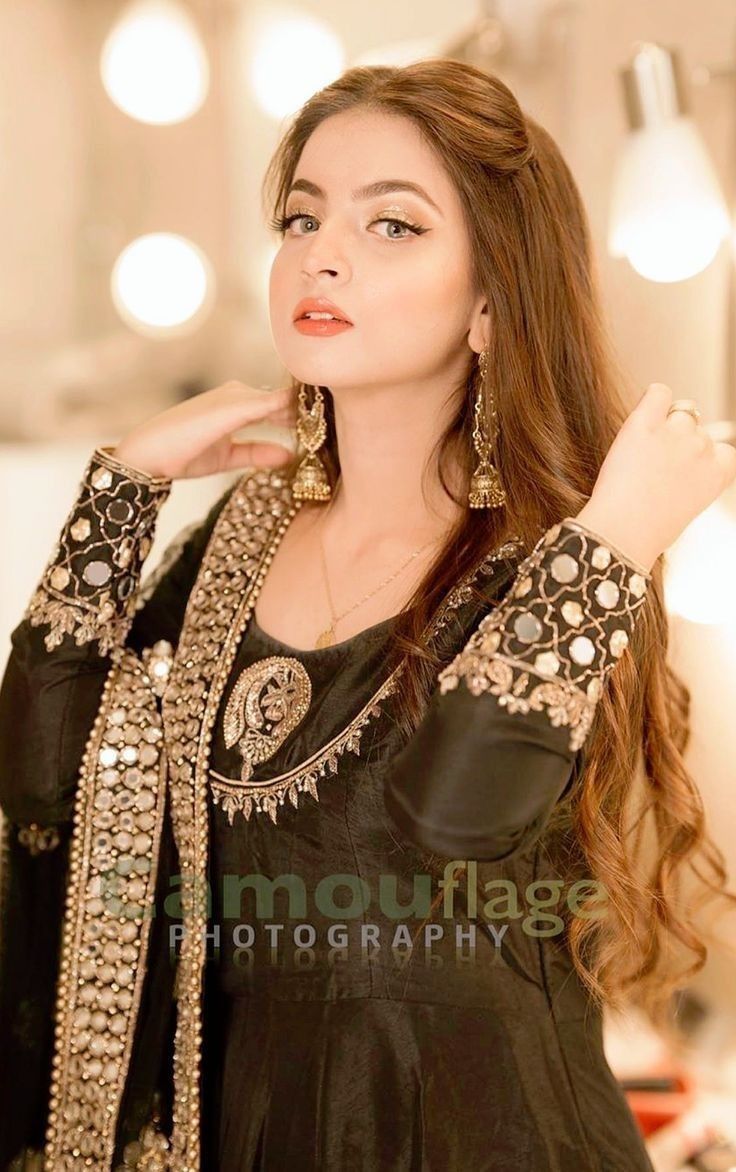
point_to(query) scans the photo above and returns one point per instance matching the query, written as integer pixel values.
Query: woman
(425, 653)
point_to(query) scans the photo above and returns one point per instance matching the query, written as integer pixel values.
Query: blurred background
(135, 259)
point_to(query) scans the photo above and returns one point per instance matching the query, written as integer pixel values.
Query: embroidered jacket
(531, 674)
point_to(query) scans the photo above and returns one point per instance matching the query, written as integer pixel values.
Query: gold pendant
(486, 490)
(326, 638)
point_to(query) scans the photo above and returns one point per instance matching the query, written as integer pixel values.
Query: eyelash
(281, 223)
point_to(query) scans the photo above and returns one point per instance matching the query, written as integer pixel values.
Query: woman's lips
(320, 326)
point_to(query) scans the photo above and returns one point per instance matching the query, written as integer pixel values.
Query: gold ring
(689, 406)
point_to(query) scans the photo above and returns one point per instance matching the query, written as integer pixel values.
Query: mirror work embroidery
(559, 632)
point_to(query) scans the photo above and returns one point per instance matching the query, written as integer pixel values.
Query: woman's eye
(409, 228)
(282, 224)
(298, 216)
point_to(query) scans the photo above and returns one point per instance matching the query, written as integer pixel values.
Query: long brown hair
(559, 405)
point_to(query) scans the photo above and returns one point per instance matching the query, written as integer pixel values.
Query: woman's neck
(385, 441)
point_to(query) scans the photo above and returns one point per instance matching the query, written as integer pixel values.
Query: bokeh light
(153, 64)
(292, 56)
(162, 284)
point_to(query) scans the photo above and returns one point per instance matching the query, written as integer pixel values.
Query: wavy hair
(559, 405)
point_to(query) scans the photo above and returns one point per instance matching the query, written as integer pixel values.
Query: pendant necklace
(327, 637)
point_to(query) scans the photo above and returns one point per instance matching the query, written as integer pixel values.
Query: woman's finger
(653, 406)
(203, 423)
(256, 452)
(285, 415)
(682, 421)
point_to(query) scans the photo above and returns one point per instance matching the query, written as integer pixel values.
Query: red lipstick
(330, 318)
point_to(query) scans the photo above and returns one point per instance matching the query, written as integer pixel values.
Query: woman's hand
(659, 473)
(194, 438)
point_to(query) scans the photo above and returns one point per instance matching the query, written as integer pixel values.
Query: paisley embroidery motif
(247, 796)
(269, 700)
(267, 796)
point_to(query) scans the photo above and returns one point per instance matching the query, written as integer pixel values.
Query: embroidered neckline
(246, 795)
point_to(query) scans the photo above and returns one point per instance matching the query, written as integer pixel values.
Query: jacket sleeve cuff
(559, 631)
(88, 588)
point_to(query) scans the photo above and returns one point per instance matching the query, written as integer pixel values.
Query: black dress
(330, 1040)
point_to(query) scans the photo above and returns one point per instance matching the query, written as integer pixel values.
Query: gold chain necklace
(328, 635)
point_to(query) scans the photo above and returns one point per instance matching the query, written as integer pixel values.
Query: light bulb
(292, 56)
(668, 215)
(162, 284)
(153, 64)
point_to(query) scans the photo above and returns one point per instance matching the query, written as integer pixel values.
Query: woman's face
(406, 287)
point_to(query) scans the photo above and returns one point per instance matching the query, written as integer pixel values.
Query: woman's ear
(479, 334)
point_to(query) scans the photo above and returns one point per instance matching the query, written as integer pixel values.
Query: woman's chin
(312, 375)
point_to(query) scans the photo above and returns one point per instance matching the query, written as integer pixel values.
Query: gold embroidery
(118, 817)
(158, 661)
(38, 838)
(246, 796)
(269, 700)
(150, 1151)
(88, 587)
(92, 1057)
(243, 542)
(567, 619)
(267, 796)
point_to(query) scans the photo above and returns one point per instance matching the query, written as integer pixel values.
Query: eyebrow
(381, 187)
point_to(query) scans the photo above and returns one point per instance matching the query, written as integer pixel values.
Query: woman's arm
(88, 587)
(82, 613)
(88, 607)
(503, 736)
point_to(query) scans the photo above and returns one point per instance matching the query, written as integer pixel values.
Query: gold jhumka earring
(486, 490)
(311, 482)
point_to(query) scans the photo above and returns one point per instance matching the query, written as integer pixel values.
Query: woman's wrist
(623, 533)
(129, 463)
(88, 587)
(552, 641)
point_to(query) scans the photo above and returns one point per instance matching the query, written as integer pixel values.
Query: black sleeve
(87, 606)
(503, 737)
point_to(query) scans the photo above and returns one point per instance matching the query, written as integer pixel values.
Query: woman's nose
(325, 253)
